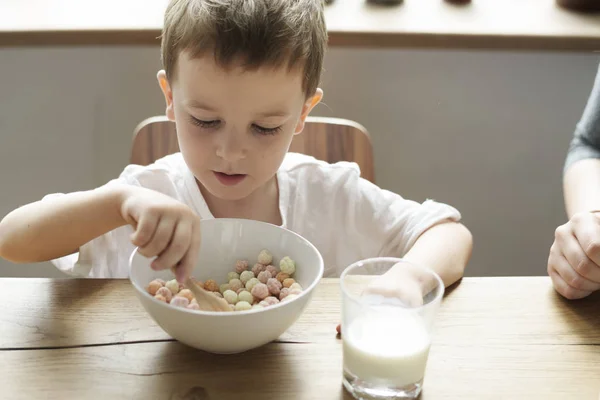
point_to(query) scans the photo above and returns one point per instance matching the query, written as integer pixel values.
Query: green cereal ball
(242, 306)
(287, 265)
(224, 287)
(230, 296)
(251, 283)
(246, 296)
(232, 275)
(246, 276)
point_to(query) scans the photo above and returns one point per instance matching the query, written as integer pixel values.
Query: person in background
(574, 260)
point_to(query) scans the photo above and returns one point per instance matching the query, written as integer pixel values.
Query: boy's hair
(254, 32)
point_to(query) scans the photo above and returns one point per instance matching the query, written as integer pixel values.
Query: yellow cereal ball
(265, 258)
(224, 287)
(288, 282)
(246, 296)
(211, 285)
(232, 275)
(296, 285)
(230, 296)
(246, 276)
(187, 293)
(282, 276)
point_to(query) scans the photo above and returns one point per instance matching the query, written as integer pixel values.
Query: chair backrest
(328, 139)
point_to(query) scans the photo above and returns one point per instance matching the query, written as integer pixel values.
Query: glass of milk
(388, 309)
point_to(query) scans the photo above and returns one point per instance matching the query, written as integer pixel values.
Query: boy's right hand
(164, 228)
(574, 260)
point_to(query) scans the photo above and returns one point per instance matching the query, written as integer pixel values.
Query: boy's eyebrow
(275, 113)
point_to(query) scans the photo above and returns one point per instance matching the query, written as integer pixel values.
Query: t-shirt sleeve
(388, 224)
(103, 257)
(586, 139)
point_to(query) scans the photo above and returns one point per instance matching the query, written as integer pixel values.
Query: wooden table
(496, 338)
(489, 24)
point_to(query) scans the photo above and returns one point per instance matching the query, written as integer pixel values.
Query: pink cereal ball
(187, 293)
(274, 286)
(166, 293)
(193, 306)
(180, 301)
(264, 276)
(235, 285)
(283, 293)
(241, 266)
(160, 298)
(260, 291)
(257, 269)
(153, 287)
(269, 301)
(272, 270)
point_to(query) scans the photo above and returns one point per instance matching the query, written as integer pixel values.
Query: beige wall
(483, 131)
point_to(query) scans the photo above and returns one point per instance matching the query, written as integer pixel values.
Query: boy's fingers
(176, 248)
(564, 289)
(163, 233)
(144, 230)
(564, 267)
(188, 262)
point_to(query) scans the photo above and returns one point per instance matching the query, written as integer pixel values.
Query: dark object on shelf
(385, 2)
(580, 5)
(459, 2)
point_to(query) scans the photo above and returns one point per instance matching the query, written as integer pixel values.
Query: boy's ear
(310, 103)
(168, 93)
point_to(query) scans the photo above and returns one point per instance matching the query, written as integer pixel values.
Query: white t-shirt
(344, 216)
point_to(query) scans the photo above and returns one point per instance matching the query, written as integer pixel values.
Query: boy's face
(234, 126)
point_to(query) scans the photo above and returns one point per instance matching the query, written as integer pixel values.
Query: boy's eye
(204, 124)
(266, 131)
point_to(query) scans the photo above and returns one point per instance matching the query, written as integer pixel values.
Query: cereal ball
(173, 286)
(232, 275)
(166, 293)
(246, 296)
(194, 301)
(296, 285)
(260, 291)
(265, 257)
(257, 306)
(257, 269)
(269, 301)
(282, 276)
(287, 265)
(218, 294)
(288, 282)
(161, 281)
(154, 286)
(187, 293)
(246, 276)
(295, 292)
(251, 283)
(241, 266)
(240, 290)
(230, 296)
(272, 270)
(180, 301)
(160, 298)
(235, 284)
(264, 276)
(274, 286)
(211, 285)
(232, 307)
(224, 287)
(242, 306)
(283, 293)
(193, 306)
(289, 297)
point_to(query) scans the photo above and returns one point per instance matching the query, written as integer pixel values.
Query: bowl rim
(304, 293)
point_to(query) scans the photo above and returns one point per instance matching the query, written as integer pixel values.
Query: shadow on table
(582, 315)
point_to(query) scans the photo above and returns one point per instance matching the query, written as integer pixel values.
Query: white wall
(484, 131)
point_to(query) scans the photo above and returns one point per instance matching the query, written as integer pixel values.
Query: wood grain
(329, 139)
(479, 311)
(489, 24)
(291, 371)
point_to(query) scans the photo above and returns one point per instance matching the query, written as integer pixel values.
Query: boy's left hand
(407, 284)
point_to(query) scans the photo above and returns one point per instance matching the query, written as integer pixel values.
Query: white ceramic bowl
(223, 242)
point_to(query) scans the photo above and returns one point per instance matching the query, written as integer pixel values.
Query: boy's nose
(231, 147)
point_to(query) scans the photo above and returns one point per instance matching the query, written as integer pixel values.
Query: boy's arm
(582, 186)
(445, 248)
(53, 228)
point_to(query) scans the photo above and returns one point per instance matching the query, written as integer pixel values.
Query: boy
(240, 77)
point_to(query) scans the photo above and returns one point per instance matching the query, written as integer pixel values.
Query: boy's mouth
(229, 179)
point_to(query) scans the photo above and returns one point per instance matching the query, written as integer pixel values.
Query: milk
(389, 350)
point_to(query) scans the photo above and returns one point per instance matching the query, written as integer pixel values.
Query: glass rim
(356, 299)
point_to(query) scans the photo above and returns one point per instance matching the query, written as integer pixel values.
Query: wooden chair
(328, 139)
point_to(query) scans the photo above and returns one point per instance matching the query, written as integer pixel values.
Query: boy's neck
(261, 205)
